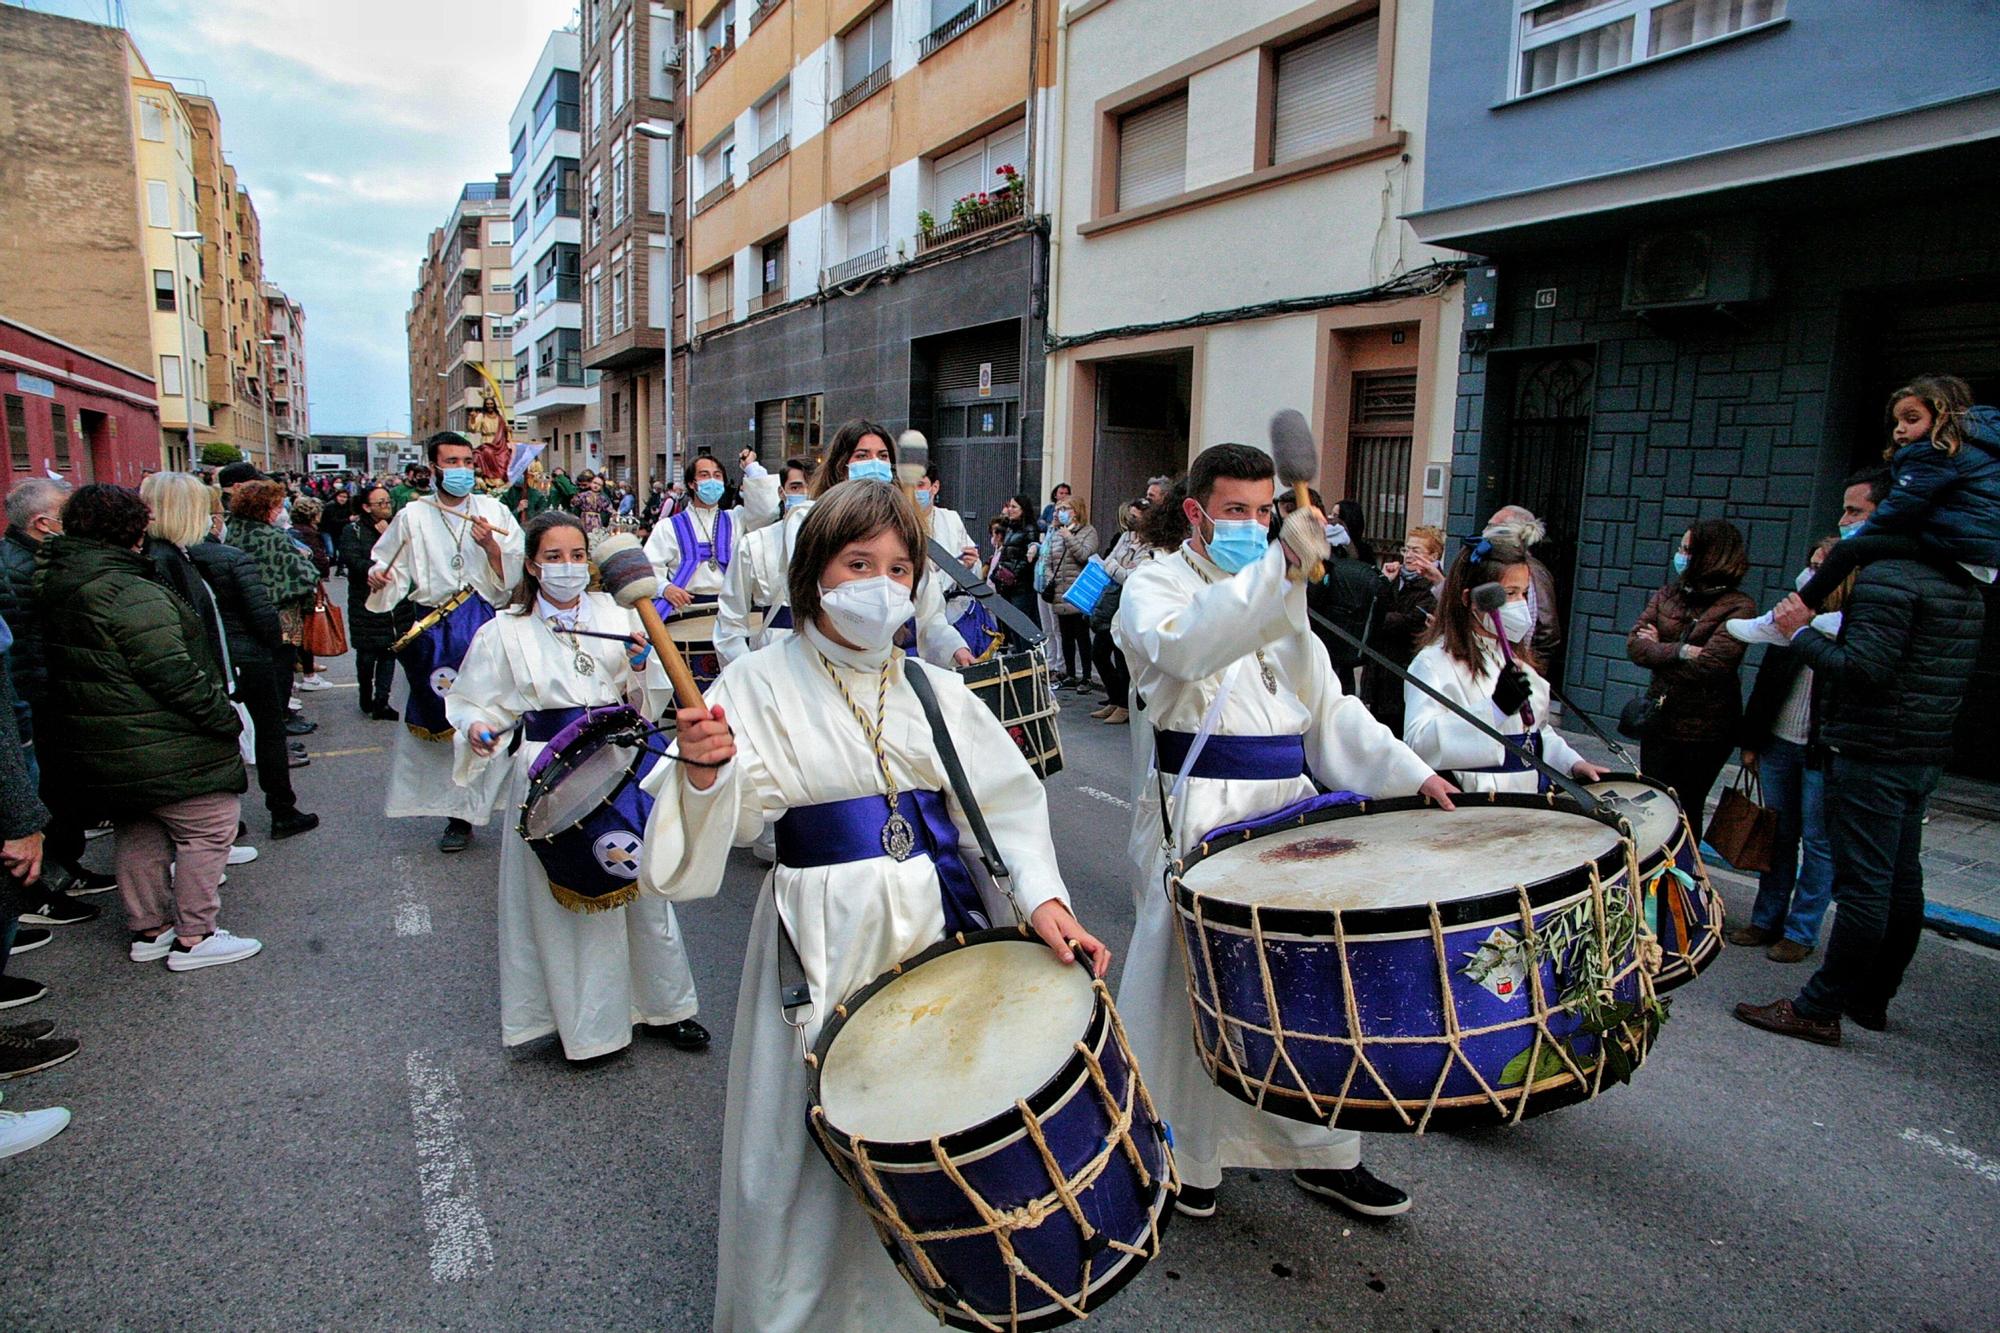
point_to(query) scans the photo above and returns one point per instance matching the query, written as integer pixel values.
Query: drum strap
(1003, 610)
(955, 771)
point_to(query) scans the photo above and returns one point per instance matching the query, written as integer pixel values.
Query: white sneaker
(294, 705)
(242, 854)
(219, 948)
(22, 1130)
(153, 950)
(315, 682)
(1762, 629)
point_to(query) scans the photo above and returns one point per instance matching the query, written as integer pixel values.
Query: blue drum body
(1682, 906)
(430, 655)
(1031, 1262)
(593, 865)
(1440, 1013)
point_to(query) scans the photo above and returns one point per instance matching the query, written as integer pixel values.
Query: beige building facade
(460, 321)
(291, 419)
(171, 243)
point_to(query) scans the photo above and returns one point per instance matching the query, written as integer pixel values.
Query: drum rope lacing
(1000, 1224)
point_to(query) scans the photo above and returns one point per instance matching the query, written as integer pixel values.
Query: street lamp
(266, 396)
(664, 134)
(187, 359)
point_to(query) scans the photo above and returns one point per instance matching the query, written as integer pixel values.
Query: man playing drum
(449, 559)
(1245, 718)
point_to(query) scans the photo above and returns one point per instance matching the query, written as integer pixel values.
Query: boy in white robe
(778, 737)
(689, 573)
(756, 580)
(435, 547)
(587, 976)
(1225, 612)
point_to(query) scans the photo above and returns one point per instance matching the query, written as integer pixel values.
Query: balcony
(859, 93)
(764, 10)
(712, 58)
(777, 149)
(849, 269)
(970, 222)
(561, 372)
(713, 322)
(956, 26)
(715, 196)
(765, 300)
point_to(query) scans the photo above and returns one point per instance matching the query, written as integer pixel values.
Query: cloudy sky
(354, 125)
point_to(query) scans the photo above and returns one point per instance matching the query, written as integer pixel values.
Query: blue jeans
(1791, 896)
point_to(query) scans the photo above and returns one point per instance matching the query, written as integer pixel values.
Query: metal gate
(976, 419)
(1542, 463)
(1381, 426)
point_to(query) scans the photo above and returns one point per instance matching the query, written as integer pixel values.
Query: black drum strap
(1594, 729)
(988, 596)
(955, 771)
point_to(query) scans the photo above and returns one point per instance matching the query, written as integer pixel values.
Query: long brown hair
(1483, 561)
(833, 468)
(853, 511)
(532, 532)
(1717, 558)
(1947, 397)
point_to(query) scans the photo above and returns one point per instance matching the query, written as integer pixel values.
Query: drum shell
(432, 650)
(699, 652)
(1390, 972)
(1015, 688)
(571, 859)
(999, 1160)
(1691, 936)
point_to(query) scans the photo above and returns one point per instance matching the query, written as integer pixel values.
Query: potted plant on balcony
(926, 224)
(1012, 186)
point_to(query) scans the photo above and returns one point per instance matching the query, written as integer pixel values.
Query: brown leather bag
(1743, 828)
(324, 633)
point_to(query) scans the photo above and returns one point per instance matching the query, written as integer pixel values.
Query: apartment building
(171, 243)
(555, 397)
(291, 419)
(864, 176)
(72, 413)
(630, 134)
(1228, 243)
(232, 308)
(460, 323)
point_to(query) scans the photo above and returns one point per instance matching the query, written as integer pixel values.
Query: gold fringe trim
(426, 734)
(451, 604)
(576, 902)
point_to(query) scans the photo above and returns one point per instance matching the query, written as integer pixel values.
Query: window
(159, 204)
(596, 123)
(619, 80)
(867, 224)
(718, 35)
(865, 47)
(615, 398)
(594, 214)
(1562, 41)
(774, 117)
(186, 212)
(660, 41)
(152, 121)
(718, 294)
(163, 289)
(170, 376)
(975, 168)
(1152, 152)
(659, 162)
(1325, 91)
(59, 435)
(659, 286)
(618, 294)
(718, 164)
(500, 233)
(17, 431)
(771, 267)
(593, 307)
(618, 180)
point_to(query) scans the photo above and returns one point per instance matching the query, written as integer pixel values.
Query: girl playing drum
(1465, 659)
(588, 977)
(823, 734)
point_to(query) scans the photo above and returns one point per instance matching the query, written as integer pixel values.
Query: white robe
(1182, 635)
(1444, 740)
(795, 1250)
(663, 548)
(427, 537)
(948, 531)
(756, 582)
(587, 976)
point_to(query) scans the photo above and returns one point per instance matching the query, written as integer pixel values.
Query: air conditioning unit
(1700, 266)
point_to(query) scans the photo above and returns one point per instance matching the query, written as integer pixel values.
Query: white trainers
(242, 854)
(1761, 629)
(219, 948)
(144, 950)
(315, 682)
(22, 1130)
(293, 705)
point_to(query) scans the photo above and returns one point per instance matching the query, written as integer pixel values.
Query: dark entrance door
(1142, 430)
(975, 418)
(1542, 464)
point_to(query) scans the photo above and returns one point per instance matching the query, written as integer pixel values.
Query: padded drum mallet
(1296, 453)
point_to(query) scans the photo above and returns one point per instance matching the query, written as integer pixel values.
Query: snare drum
(982, 1103)
(585, 814)
(1016, 687)
(431, 652)
(1390, 966)
(1682, 907)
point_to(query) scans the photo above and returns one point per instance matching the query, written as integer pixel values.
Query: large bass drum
(1391, 966)
(1682, 907)
(1016, 687)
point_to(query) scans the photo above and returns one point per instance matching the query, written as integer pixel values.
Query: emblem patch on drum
(442, 680)
(617, 853)
(1500, 965)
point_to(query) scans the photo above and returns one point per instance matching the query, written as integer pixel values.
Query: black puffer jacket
(248, 618)
(17, 607)
(1897, 674)
(144, 721)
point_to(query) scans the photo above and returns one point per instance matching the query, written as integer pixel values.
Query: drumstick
(1489, 598)
(497, 531)
(628, 576)
(1297, 456)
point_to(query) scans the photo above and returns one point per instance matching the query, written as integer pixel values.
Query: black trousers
(374, 672)
(1075, 631)
(1690, 768)
(1111, 669)
(264, 688)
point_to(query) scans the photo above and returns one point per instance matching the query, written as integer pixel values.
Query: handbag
(324, 633)
(1641, 715)
(1743, 829)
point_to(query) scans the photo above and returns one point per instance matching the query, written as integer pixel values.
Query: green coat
(135, 692)
(289, 575)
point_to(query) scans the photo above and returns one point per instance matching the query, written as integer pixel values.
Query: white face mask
(1518, 620)
(1804, 577)
(561, 583)
(867, 612)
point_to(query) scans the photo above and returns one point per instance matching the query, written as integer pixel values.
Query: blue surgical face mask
(870, 469)
(708, 490)
(1237, 543)
(1680, 562)
(796, 501)
(923, 499)
(1849, 529)
(457, 481)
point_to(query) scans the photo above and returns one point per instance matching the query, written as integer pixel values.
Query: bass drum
(1682, 907)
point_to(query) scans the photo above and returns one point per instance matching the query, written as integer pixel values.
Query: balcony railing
(765, 300)
(1004, 209)
(952, 28)
(565, 371)
(721, 192)
(866, 262)
(762, 12)
(778, 149)
(713, 57)
(875, 82)
(713, 322)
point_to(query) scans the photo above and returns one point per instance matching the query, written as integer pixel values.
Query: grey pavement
(331, 1135)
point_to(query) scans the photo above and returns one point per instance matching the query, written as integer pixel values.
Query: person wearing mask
(333, 521)
(1548, 619)
(1348, 588)
(1158, 489)
(947, 529)
(372, 633)
(691, 551)
(755, 585)
(1402, 617)
(1679, 638)
(1013, 570)
(136, 684)
(1126, 553)
(416, 483)
(258, 526)
(1072, 541)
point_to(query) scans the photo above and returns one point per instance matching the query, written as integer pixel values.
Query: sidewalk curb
(1961, 924)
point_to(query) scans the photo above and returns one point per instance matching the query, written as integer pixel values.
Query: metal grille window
(17, 431)
(1325, 91)
(1152, 152)
(1561, 41)
(59, 435)
(1381, 426)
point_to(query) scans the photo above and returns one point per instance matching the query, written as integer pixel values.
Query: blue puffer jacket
(1950, 501)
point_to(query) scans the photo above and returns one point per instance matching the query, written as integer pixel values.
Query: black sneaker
(19, 990)
(29, 937)
(25, 1055)
(1876, 1020)
(1355, 1190)
(457, 836)
(34, 1031)
(1193, 1201)
(384, 713)
(291, 823)
(686, 1035)
(297, 761)
(298, 726)
(59, 910)
(80, 883)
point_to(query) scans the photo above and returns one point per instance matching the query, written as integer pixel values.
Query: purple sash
(694, 550)
(1320, 801)
(837, 832)
(1234, 758)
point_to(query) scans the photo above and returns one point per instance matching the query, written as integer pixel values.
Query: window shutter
(956, 176)
(1008, 148)
(1326, 92)
(1152, 153)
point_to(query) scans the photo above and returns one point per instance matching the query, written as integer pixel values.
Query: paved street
(331, 1135)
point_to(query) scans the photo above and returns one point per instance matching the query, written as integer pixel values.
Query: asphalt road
(331, 1135)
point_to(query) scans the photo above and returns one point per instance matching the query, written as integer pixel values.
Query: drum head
(1653, 813)
(693, 628)
(954, 1041)
(566, 793)
(1401, 858)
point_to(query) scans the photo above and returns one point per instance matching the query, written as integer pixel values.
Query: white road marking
(460, 1245)
(1984, 1167)
(412, 915)
(1106, 797)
